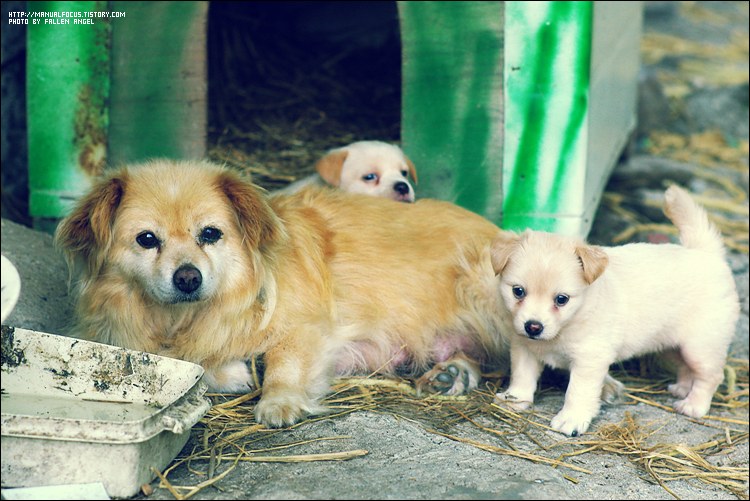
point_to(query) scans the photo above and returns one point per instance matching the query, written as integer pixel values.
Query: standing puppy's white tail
(696, 231)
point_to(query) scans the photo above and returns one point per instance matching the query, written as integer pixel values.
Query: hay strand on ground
(230, 434)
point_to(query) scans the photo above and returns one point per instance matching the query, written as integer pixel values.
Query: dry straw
(229, 433)
(701, 153)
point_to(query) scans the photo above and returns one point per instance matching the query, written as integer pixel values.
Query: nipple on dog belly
(365, 357)
(456, 360)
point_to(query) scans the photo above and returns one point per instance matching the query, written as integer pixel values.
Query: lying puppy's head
(177, 232)
(544, 278)
(369, 167)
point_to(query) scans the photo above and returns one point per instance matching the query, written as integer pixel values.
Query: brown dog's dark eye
(147, 240)
(519, 292)
(561, 300)
(210, 235)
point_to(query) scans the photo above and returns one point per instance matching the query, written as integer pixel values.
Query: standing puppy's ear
(87, 230)
(502, 248)
(329, 167)
(258, 222)
(593, 260)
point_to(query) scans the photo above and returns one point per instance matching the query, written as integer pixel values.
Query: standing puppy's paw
(680, 389)
(612, 390)
(570, 423)
(689, 408)
(512, 401)
(455, 376)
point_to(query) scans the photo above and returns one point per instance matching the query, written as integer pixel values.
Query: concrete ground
(405, 456)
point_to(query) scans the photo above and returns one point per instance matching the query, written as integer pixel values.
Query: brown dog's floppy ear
(501, 250)
(258, 222)
(329, 167)
(593, 260)
(88, 227)
(412, 170)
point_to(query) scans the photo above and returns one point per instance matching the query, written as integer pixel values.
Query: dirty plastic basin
(76, 412)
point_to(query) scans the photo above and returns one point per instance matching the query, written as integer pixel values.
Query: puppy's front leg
(581, 399)
(285, 399)
(525, 369)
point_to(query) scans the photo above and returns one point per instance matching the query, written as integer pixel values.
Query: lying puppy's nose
(401, 188)
(187, 278)
(533, 329)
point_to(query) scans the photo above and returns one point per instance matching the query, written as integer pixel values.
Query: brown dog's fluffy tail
(696, 231)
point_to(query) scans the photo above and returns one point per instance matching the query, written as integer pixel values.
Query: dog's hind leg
(704, 373)
(684, 383)
(455, 376)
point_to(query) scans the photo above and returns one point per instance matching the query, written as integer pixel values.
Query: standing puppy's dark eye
(210, 235)
(147, 240)
(561, 300)
(519, 292)
(404, 173)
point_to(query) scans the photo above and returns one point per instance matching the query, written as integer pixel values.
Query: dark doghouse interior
(290, 80)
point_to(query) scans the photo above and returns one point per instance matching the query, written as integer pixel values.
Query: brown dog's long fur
(321, 282)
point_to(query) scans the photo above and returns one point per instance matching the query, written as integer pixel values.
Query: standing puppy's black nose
(401, 188)
(187, 279)
(533, 329)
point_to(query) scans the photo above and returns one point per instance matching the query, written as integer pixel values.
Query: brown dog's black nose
(187, 279)
(533, 329)
(401, 188)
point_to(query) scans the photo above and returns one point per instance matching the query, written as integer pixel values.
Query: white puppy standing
(369, 167)
(583, 308)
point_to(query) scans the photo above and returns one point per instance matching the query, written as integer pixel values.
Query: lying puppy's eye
(404, 173)
(561, 300)
(147, 240)
(519, 292)
(370, 177)
(210, 235)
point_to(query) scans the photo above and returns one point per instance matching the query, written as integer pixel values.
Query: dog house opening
(290, 80)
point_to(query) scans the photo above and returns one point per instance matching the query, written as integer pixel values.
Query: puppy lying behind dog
(582, 308)
(370, 167)
(188, 260)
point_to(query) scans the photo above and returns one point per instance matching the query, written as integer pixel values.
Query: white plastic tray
(76, 412)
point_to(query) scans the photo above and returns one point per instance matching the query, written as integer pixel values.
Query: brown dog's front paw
(283, 408)
(455, 376)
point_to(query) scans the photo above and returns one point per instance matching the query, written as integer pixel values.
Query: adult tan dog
(369, 167)
(189, 260)
(582, 307)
